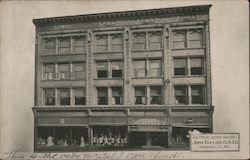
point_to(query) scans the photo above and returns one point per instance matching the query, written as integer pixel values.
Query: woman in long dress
(82, 142)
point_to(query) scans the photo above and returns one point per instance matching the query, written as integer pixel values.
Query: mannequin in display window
(82, 144)
(50, 141)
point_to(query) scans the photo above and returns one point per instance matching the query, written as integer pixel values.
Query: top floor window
(187, 38)
(154, 40)
(79, 45)
(139, 41)
(65, 46)
(102, 43)
(116, 42)
(50, 46)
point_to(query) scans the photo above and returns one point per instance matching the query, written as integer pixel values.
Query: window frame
(45, 96)
(98, 97)
(84, 95)
(59, 90)
(60, 72)
(62, 47)
(47, 51)
(147, 68)
(83, 64)
(84, 46)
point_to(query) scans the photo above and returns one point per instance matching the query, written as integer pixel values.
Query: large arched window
(79, 45)
(65, 46)
(116, 43)
(102, 43)
(154, 41)
(139, 41)
(50, 46)
(179, 39)
(195, 38)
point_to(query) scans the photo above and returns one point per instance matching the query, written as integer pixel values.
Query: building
(134, 79)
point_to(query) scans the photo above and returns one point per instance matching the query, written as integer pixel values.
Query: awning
(149, 121)
(148, 125)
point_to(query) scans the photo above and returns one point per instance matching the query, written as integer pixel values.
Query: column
(90, 135)
(169, 136)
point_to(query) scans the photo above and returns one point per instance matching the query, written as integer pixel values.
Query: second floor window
(116, 95)
(64, 96)
(80, 96)
(49, 95)
(50, 46)
(64, 46)
(181, 94)
(64, 71)
(197, 94)
(79, 70)
(102, 96)
(49, 71)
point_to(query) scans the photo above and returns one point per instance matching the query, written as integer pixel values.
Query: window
(50, 46)
(79, 45)
(49, 96)
(116, 69)
(181, 95)
(116, 95)
(102, 69)
(102, 43)
(79, 70)
(189, 38)
(197, 94)
(116, 43)
(102, 95)
(64, 96)
(155, 95)
(140, 95)
(154, 41)
(139, 68)
(195, 38)
(139, 41)
(196, 66)
(65, 46)
(80, 96)
(155, 68)
(64, 71)
(49, 71)
(179, 39)
(180, 66)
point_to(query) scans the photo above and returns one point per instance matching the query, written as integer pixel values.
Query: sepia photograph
(124, 79)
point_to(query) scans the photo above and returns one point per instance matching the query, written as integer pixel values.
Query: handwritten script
(121, 155)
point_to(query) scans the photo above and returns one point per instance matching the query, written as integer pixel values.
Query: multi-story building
(134, 79)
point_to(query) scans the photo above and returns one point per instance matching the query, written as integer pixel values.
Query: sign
(214, 142)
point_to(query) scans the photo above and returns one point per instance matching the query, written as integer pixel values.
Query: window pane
(155, 41)
(49, 96)
(140, 95)
(139, 68)
(65, 46)
(117, 95)
(155, 95)
(64, 95)
(49, 71)
(79, 70)
(116, 43)
(102, 69)
(102, 94)
(195, 38)
(50, 46)
(196, 66)
(116, 69)
(102, 43)
(64, 71)
(181, 96)
(80, 45)
(139, 41)
(197, 94)
(179, 39)
(80, 96)
(155, 68)
(180, 66)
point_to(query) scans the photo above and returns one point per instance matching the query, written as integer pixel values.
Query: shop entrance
(148, 139)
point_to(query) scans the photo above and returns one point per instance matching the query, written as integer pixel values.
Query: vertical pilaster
(89, 68)
(127, 66)
(169, 136)
(90, 135)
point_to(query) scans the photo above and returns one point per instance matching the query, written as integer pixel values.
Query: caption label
(214, 142)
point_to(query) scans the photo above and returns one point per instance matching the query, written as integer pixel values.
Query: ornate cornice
(162, 12)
